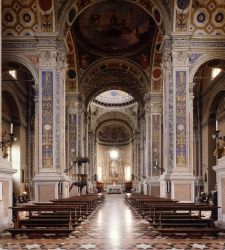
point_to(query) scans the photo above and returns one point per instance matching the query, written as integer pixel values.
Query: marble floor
(114, 226)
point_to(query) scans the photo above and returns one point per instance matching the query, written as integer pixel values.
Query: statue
(219, 151)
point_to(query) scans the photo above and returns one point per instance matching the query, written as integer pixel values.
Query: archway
(19, 111)
(208, 107)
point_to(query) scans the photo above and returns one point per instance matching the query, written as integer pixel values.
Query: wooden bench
(39, 231)
(190, 231)
(169, 216)
(184, 224)
(58, 217)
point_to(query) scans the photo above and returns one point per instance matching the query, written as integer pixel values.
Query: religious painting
(114, 26)
(114, 169)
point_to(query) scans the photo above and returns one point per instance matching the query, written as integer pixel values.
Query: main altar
(114, 189)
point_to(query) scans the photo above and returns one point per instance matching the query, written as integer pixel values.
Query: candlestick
(217, 127)
(11, 128)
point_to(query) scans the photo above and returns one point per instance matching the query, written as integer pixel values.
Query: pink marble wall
(155, 191)
(46, 192)
(5, 193)
(182, 192)
(223, 195)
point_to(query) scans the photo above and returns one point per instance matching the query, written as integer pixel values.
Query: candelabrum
(220, 150)
(156, 166)
(6, 143)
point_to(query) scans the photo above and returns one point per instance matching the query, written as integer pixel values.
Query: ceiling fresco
(114, 27)
(115, 132)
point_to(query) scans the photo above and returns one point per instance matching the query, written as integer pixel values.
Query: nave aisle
(113, 226)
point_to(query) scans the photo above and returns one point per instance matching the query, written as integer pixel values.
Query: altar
(114, 189)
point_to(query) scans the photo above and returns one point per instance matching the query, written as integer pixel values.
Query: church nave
(113, 226)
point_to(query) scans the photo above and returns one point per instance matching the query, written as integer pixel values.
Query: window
(13, 73)
(215, 72)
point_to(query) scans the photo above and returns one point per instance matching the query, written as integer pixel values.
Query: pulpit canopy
(81, 159)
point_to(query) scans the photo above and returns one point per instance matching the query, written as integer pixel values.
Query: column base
(6, 192)
(182, 186)
(50, 184)
(154, 186)
(220, 180)
(165, 185)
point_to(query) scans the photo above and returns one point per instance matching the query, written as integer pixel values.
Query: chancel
(103, 98)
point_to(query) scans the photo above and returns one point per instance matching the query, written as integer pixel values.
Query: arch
(214, 102)
(19, 108)
(94, 80)
(115, 115)
(148, 6)
(25, 62)
(201, 60)
(115, 122)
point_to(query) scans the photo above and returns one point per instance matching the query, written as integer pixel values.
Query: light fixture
(7, 141)
(114, 154)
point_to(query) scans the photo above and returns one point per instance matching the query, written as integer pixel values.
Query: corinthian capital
(47, 58)
(180, 58)
(73, 108)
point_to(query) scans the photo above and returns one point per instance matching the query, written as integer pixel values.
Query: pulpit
(80, 180)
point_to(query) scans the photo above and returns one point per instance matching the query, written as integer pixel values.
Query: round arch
(115, 115)
(104, 75)
(201, 60)
(214, 101)
(25, 62)
(9, 90)
(124, 126)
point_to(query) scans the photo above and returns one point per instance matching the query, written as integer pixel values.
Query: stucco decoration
(114, 74)
(156, 64)
(115, 115)
(46, 15)
(181, 133)
(19, 18)
(114, 98)
(116, 131)
(156, 138)
(71, 80)
(208, 17)
(47, 121)
(182, 15)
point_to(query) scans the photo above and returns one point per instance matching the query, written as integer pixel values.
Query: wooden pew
(191, 224)
(59, 217)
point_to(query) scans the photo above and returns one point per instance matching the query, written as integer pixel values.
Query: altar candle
(217, 127)
(11, 128)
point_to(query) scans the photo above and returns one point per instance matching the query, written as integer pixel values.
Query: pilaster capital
(180, 58)
(47, 58)
(73, 108)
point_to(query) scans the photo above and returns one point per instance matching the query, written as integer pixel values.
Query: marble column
(6, 182)
(220, 180)
(51, 182)
(168, 120)
(155, 143)
(147, 152)
(182, 178)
